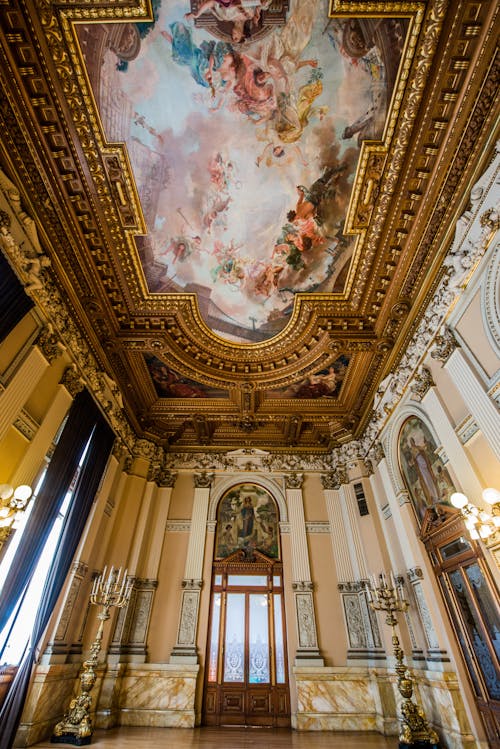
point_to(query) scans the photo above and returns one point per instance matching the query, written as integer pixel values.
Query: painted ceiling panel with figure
(243, 123)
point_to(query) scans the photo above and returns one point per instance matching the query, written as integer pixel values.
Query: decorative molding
(50, 344)
(490, 299)
(317, 526)
(303, 585)
(25, 424)
(306, 624)
(211, 526)
(414, 574)
(178, 526)
(466, 430)
(192, 584)
(331, 481)
(386, 511)
(166, 478)
(285, 527)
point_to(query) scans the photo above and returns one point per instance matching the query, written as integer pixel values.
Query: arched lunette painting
(425, 475)
(247, 518)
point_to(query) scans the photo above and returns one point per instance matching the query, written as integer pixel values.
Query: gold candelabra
(76, 725)
(386, 594)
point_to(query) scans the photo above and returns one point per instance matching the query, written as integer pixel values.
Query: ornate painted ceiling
(246, 203)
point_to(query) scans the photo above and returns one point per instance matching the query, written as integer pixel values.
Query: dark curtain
(74, 523)
(14, 302)
(60, 472)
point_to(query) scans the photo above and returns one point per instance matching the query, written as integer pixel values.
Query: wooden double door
(246, 679)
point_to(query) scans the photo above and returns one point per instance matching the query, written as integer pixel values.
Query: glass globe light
(23, 493)
(491, 496)
(474, 534)
(485, 531)
(458, 500)
(6, 491)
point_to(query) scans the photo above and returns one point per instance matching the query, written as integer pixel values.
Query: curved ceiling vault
(246, 204)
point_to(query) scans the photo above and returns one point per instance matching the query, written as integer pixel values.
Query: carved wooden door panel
(471, 599)
(246, 675)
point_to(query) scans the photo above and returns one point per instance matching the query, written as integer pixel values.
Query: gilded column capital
(444, 345)
(144, 449)
(166, 478)
(422, 383)
(294, 480)
(72, 381)
(377, 453)
(331, 480)
(49, 344)
(203, 480)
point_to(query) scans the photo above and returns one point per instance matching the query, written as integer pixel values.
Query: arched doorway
(246, 674)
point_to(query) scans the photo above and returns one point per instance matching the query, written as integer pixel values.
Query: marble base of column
(184, 654)
(305, 657)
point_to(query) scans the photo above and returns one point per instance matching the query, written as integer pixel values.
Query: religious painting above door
(243, 123)
(247, 518)
(425, 475)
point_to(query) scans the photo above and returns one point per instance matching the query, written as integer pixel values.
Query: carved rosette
(445, 345)
(203, 480)
(422, 383)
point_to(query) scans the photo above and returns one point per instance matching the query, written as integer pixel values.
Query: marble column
(470, 387)
(308, 651)
(185, 650)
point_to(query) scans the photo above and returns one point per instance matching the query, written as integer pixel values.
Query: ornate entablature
(169, 363)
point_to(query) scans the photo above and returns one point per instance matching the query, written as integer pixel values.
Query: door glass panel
(218, 580)
(247, 580)
(276, 581)
(486, 604)
(455, 547)
(258, 645)
(214, 639)
(278, 640)
(476, 634)
(234, 646)
(461, 638)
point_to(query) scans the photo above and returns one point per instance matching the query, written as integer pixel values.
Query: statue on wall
(425, 475)
(247, 519)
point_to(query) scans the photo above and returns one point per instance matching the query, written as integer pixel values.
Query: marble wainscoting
(358, 699)
(49, 696)
(439, 695)
(344, 699)
(160, 695)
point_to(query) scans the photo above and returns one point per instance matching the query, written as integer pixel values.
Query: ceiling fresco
(243, 124)
(243, 206)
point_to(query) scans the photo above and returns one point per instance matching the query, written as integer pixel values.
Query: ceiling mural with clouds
(243, 123)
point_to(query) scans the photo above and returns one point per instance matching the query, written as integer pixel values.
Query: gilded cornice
(82, 193)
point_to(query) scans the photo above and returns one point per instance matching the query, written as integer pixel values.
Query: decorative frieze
(25, 424)
(414, 574)
(303, 585)
(331, 480)
(466, 430)
(178, 526)
(305, 621)
(317, 526)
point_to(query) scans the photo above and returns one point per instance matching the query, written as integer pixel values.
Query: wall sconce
(12, 504)
(479, 523)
